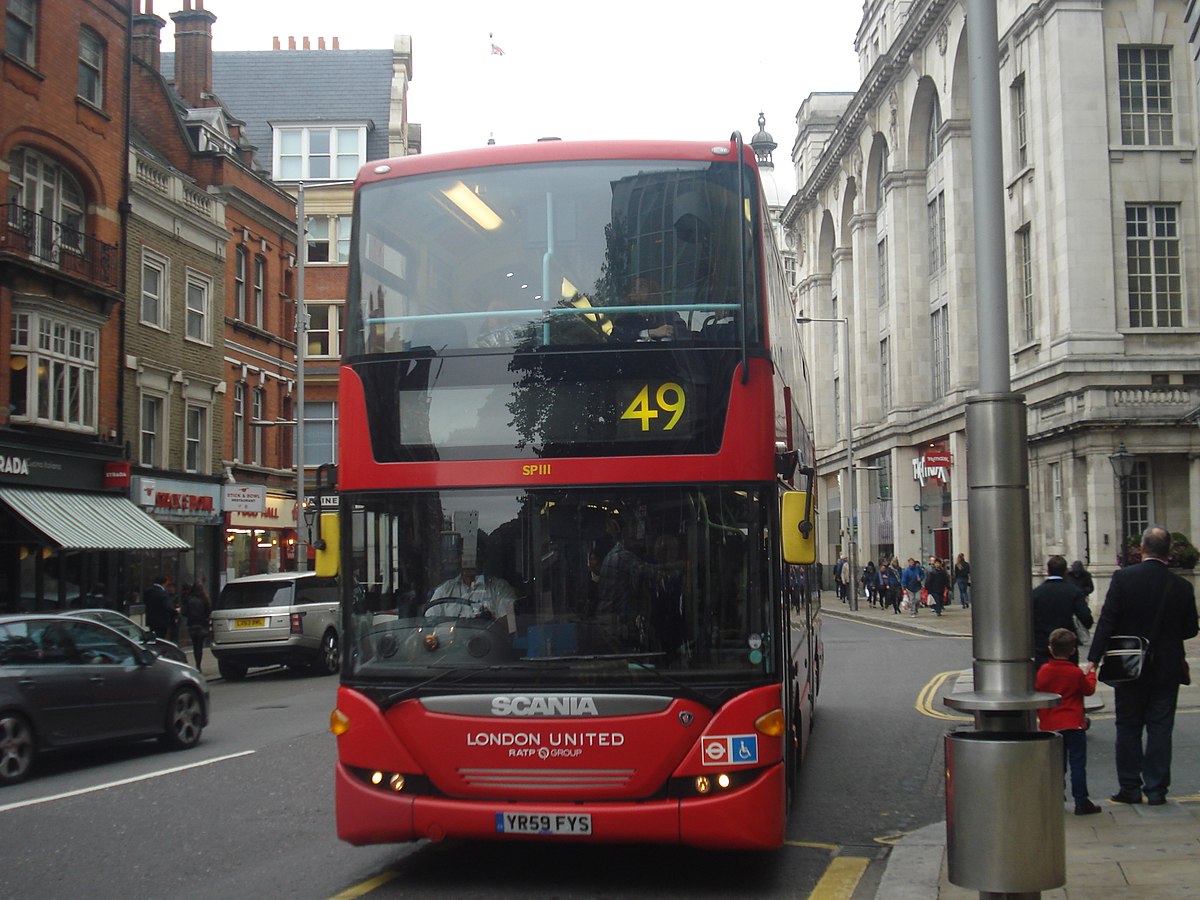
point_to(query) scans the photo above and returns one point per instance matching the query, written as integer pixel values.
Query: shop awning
(89, 521)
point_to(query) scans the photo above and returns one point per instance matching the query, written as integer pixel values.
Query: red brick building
(64, 514)
(244, 368)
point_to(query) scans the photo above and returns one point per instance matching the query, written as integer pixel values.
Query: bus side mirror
(329, 551)
(799, 535)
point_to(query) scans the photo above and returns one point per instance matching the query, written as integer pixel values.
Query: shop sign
(244, 498)
(922, 471)
(279, 512)
(117, 474)
(14, 465)
(171, 499)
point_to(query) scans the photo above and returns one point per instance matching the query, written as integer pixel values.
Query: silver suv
(288, 618)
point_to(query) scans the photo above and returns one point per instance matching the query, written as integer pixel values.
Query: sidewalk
(1127, 852)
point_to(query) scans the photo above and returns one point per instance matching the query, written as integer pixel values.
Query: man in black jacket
(1056, 603)
(1147, 599)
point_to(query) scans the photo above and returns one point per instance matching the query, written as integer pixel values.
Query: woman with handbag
(1146, 601)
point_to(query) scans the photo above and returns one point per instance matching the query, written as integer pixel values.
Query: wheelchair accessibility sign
(730, 749)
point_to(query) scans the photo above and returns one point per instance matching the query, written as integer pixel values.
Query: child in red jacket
(1061, 676)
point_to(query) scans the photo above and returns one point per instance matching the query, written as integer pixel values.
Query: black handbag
(1124, 658)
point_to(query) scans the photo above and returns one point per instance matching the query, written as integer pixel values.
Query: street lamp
(851, 491)
(1122, 462)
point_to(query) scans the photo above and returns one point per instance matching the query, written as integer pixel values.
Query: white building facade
(1099, 115)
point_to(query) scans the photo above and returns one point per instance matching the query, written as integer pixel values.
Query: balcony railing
(40, 238)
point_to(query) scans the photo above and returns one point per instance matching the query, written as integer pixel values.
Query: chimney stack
(274, 43)
(336, 46)
(147, 35)
(291, 42)
(193, 52)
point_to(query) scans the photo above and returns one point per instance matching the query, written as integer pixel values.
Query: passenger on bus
(652, 325)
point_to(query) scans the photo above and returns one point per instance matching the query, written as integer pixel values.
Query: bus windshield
(593, 586)
(572, 254)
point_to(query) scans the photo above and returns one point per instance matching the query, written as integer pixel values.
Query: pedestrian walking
(894, 587)
(870, 583)
(937, 585)
(1056, 604)
(962, 580)
(1081, 578)
(1061, 676)
(912, 580)
(198, 608)
(160, 609)
(1149, 600)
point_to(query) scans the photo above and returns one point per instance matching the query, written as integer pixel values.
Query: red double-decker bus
(573, 443)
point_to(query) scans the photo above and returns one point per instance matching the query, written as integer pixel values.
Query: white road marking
(112, 784)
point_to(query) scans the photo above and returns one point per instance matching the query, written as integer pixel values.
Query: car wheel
(185, 720)
(17, 747)
(231, 671)
(331, 658)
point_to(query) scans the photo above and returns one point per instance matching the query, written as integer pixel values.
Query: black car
(133, 631)
(68, 682)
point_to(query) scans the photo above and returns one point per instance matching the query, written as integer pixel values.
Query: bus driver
(475, 595)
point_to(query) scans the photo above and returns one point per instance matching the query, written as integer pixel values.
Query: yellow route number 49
(669, 401)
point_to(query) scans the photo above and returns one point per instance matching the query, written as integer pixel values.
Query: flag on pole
(496, 51)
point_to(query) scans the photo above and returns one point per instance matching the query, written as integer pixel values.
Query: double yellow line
(925, 699)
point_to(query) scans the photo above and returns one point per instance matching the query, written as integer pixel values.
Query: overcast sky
(625, 68)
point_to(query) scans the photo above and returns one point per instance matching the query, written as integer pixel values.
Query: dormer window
(319, 152)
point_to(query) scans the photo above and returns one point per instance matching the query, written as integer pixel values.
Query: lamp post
(850, 493)
(1122, 462)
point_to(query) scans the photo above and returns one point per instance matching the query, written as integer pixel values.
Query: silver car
(288, 618)
(68, 682)
(133, 631)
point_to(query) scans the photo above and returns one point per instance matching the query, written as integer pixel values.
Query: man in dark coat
(1056, 603)
(160, 609)
(1147, 599)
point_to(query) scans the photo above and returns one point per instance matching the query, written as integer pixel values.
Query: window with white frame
(91, 67)
(885, 376)
(258, 410)
(1057, 508)
(1020, 123)
(20, 30)
(156, 281)
(881, 257)
(1144, 82)
(239, 422)
(324, 329)
(239, 284)
(1153, 251)
(195, 439)
(260, 279)
(939, 326)
(46, 205)
(151, 434)
(320, 433)
(199, 312)
(1138, 511)
(1025, 282)
(53, 364)
(937, 234)
(319, 152)
(327, 239)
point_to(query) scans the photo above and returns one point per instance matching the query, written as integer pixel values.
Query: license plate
(249, 623)
(543, 823)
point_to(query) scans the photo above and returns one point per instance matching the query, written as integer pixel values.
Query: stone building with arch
(1099, 121)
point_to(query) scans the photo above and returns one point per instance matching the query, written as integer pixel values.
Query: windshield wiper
(463, 674)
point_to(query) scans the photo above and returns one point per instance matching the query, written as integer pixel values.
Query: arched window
(45, 205)
(933, 141)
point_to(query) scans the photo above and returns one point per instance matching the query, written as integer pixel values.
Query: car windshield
(254, 594)
(581, 586)
(113, 620)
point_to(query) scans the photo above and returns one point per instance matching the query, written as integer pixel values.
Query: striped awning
(89, 521)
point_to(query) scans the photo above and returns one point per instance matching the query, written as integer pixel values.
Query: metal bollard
(1004, 811)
